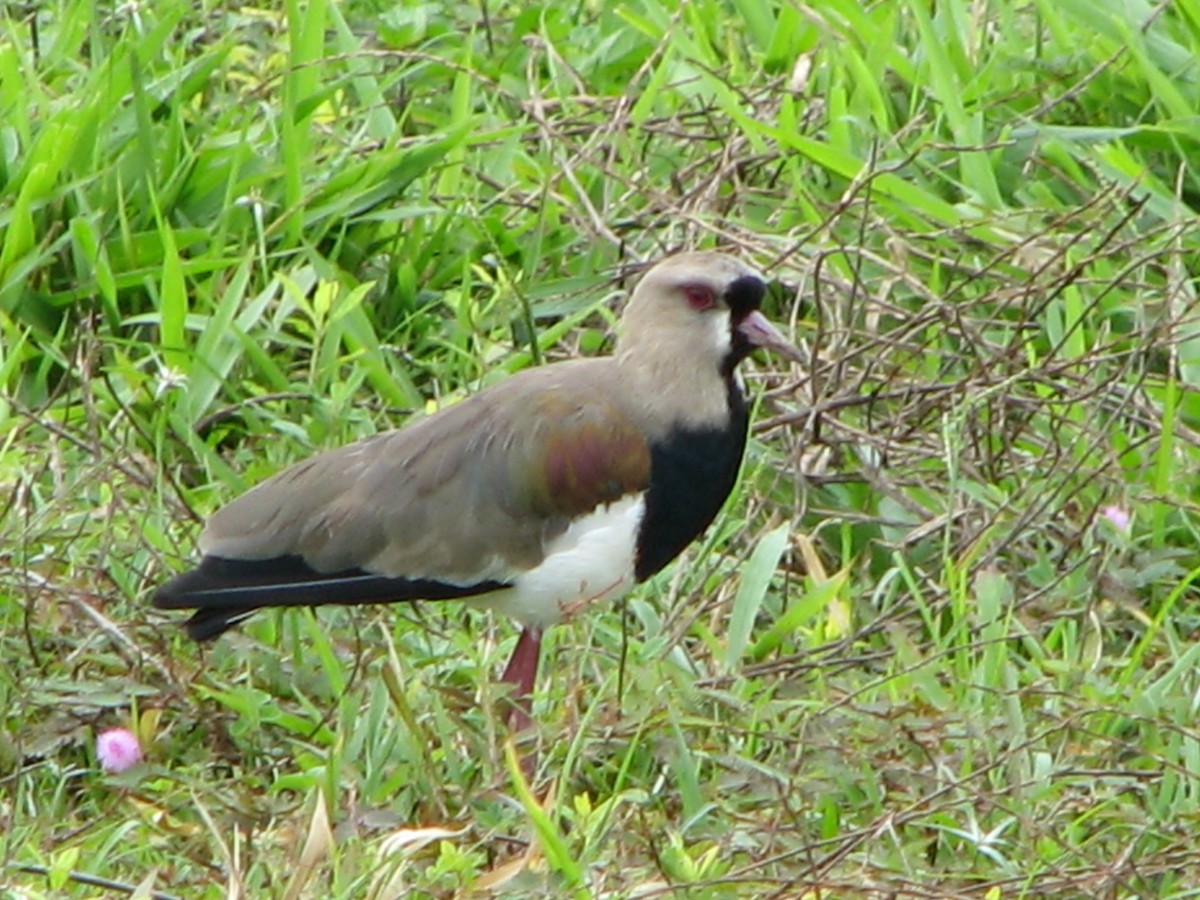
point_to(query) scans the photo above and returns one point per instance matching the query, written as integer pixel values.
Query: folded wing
(456, 505)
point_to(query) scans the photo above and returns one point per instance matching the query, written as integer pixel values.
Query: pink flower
(118, 749)
(1119, 517)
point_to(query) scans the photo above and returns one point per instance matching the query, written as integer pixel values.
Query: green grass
(912, 658)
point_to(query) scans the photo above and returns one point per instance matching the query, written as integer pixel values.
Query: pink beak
(758, 330)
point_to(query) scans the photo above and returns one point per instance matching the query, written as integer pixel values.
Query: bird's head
(704, 305)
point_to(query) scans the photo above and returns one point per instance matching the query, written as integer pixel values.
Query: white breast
(592, 561)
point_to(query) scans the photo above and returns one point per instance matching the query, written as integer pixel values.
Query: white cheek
(721, 326)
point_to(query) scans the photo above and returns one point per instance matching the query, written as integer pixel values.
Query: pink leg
(521, 672)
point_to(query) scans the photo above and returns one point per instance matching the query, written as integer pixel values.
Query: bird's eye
(700, 297)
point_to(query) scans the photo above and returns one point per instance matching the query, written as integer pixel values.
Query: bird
(556, 489)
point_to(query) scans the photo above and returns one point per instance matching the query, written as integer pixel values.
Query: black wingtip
(225, 591)
(220, 582)
(195, 590)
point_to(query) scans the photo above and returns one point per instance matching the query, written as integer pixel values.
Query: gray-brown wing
(470, 494)
(454, 505)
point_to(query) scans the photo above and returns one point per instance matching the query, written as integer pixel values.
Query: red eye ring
(700, 297)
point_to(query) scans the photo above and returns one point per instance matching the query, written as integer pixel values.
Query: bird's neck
(686, 392)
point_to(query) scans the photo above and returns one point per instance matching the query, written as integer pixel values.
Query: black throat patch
(692, 472)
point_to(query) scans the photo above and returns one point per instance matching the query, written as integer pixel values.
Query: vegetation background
(942, 643)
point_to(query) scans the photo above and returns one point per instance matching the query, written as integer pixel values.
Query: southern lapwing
(558, 488)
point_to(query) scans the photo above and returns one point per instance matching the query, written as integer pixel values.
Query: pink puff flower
(118, 750)
(1119, 517)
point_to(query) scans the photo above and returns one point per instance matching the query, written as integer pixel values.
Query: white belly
(592, 561)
